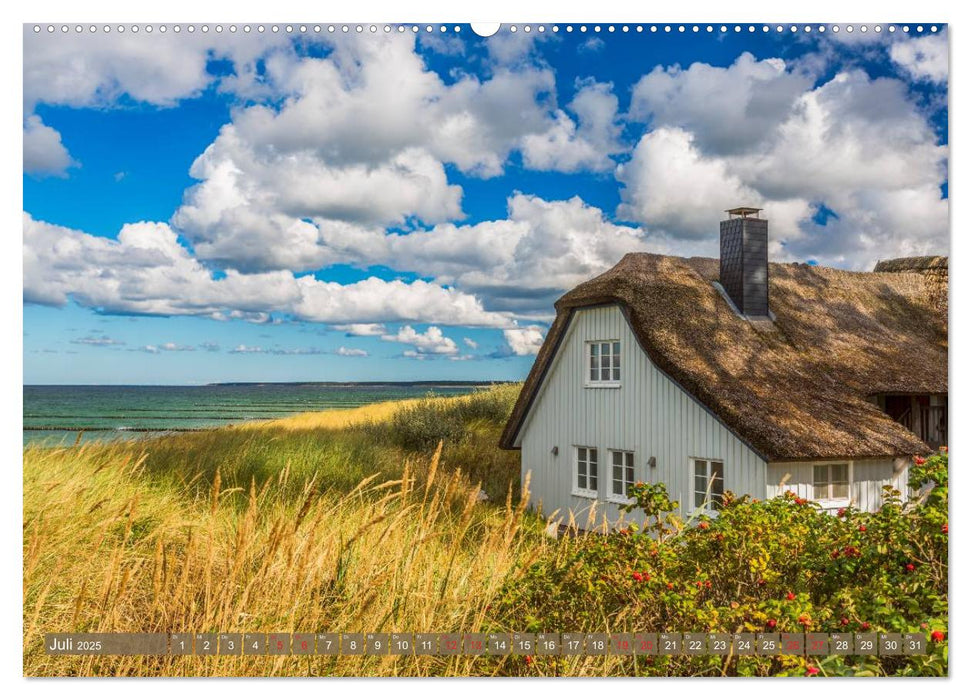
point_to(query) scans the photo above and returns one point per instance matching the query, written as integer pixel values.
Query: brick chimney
(744, 270)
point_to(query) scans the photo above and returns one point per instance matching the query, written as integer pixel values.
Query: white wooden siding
(648, 414)
(867, 479)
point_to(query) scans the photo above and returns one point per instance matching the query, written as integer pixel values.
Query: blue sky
(246, 207)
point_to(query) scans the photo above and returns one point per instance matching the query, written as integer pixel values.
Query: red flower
(811, 670)
(771, 623)
(919, 461)
(698, 584)
(835, 554)
(844, 621)
(841, 512)
(804, 620)
(937, 636)
(909, 567)
(703, 525)
(719, 536)
(865, 626)
(670, 586)
(862, 528)
(944, 528)
(638, 576)
(707, 584)
(761, 582)
(801, 501)
(790, 596)
(529, 660)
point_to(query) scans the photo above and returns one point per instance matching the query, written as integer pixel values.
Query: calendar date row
(489, 644)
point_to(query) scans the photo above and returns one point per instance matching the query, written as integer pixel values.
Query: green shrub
(781, 565)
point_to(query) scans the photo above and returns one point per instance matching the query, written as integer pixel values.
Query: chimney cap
(743, 212)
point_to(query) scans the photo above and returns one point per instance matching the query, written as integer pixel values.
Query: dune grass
(298, 526)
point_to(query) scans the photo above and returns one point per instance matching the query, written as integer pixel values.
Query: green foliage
(781, 565)
(420, 426)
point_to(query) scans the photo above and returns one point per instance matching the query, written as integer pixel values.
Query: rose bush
(781, 565)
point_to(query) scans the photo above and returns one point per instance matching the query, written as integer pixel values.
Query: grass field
(408, 518)
(320, 522)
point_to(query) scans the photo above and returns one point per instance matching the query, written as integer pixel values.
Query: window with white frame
(603, 366)
(709, 483)
(622, 473)
(831, 482)
(585, 474)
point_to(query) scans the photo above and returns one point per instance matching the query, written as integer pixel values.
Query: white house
(735, 375)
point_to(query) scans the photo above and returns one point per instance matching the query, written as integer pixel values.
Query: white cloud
(569, 146)
(147, 271)
(360, 141)
(520, 263)
(924, 58)
(470, 343)
(267, 210)
(351, 352)
(98, 69)
(431, 342)
(856, 145)
(247, 350)
(44, 154)
(729, 110)
(671, 185)
(101, 340)
(166, 347)
(524, 341)
(362, 329)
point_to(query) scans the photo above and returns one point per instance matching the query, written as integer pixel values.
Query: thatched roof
(796, 388)
(927, 262)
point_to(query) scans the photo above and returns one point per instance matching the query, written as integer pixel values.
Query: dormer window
(603, 363)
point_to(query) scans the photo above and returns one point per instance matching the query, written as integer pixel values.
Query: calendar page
(540, 349)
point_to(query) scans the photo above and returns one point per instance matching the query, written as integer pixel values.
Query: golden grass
(111, 546)
(340, 418)
(337, 418)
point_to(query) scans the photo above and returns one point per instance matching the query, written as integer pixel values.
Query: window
(586, 472)
(622, 473)
(709, 484)
(604, 365)
(831, 482)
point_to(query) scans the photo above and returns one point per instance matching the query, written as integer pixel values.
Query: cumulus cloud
(924, 58)
(728, 109)
(146, 270)
(358, 329)
(587, 144)
(98, 69)
(360, 142)
(858, 146)
(103, 70)
(520, 263)
(524, 341)
(431, 342)
(44, 154)
(351, 352)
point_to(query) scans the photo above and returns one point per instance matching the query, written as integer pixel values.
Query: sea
(58, 415)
